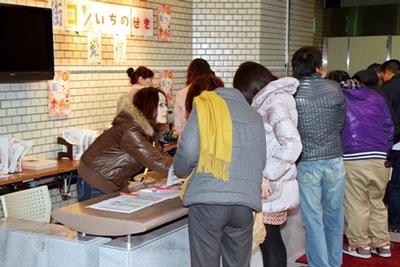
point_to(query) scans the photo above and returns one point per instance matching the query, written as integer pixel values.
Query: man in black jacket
(391, 90)
(321, 173)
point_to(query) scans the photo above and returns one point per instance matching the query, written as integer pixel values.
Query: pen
(144, 174)
(146, 169)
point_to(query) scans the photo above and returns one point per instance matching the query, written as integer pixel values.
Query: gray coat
(247, 164)
(321, 110)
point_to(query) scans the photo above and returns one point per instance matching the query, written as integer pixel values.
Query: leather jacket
(321, 110)
(122, 151)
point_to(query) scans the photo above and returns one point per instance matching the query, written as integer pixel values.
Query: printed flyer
(59, 94)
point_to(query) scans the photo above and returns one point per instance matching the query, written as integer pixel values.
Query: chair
(32, 204)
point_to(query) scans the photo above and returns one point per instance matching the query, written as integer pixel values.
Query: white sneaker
(360, 252)
(382, 251)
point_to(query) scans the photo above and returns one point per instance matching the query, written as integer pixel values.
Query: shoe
(360, 252)
(382, 251)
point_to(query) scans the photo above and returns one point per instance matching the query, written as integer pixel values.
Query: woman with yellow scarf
(222, 148)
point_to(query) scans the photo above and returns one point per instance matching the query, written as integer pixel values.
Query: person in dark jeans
(85, 191)
(391, 90)
(392, 198)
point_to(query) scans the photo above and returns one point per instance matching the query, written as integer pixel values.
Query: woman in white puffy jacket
(273, 99)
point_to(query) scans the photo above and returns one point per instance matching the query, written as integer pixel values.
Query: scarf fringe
(219, 168)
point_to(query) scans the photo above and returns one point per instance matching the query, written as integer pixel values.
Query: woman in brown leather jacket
(124, 149)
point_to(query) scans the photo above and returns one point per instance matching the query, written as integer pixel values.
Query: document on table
(128, 203)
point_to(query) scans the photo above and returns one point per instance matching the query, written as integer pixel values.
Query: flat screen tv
(26, 46)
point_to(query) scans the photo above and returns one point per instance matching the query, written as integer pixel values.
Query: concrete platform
(30, 244)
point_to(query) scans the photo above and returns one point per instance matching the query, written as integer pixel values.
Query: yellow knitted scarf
(215, 130)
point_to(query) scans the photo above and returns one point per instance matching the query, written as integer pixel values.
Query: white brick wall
(229, 32)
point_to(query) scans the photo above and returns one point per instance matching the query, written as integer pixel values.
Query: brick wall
(228, 32)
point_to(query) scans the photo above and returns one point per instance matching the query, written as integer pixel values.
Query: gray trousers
(220, 229)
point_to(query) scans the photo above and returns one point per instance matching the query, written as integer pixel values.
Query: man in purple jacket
(366, 138)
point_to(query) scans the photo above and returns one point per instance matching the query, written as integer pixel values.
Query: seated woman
(124, 149)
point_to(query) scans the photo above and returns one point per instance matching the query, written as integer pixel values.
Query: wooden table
(63, 166)
(108, 223)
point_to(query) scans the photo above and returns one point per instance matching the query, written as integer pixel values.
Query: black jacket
(321, 110)
(391, 90)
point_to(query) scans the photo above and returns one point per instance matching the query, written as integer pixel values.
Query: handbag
(259, 232)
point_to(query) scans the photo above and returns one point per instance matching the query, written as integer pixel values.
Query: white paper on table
(129, 204)
(172, 179)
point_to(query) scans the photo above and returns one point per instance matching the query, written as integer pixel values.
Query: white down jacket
(276, 104)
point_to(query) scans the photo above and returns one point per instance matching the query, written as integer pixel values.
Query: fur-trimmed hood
(127, 111)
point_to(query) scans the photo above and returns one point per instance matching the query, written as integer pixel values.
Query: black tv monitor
(26, 46)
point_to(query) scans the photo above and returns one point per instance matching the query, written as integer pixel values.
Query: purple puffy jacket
(368, 131)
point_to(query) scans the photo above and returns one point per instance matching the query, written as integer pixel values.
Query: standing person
(121, 151)
(140, 78)
(391, 90)
(223, 148)
(366, 138)
(321, 174)
(196, 68)
(377, 68)
(207, 82)
(274, 101)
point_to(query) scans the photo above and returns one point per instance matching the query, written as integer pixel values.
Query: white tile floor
(394, 237)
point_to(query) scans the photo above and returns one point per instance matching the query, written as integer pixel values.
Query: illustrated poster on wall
(164, 23)
(94, 47)
(57, 10)
(59, 94)
(119, 48)
(166, 84)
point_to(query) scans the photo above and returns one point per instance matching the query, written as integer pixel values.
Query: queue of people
(267, 144)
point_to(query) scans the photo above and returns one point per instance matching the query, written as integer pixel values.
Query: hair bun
(130, 72)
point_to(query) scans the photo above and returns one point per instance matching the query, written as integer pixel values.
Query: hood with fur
(127, 111)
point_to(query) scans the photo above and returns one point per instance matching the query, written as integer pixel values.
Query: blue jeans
(392, 197)
(321, 184)
(85, 191)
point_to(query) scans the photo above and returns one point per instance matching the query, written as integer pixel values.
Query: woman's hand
(266, 189)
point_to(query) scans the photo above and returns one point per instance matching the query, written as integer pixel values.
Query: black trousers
(218, 230)
(273, 249)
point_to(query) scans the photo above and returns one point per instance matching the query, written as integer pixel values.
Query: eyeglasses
(163, 105)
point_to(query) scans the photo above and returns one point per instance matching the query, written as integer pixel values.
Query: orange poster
(59, 94)
(164, 23)
(166, 83)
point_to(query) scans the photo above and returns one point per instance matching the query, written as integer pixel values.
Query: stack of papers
(130, 202)
(38, 164)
